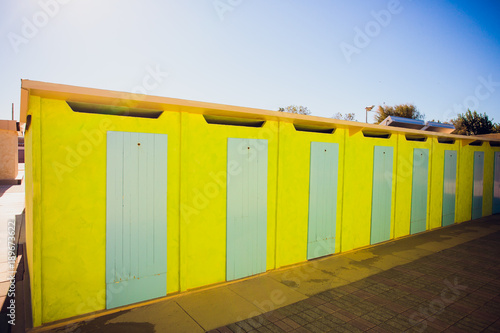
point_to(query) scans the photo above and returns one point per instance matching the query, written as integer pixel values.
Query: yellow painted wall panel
(404, 181)
(437, 179)
(489, 161)
(464, 184)
(358, 183)
(489, 191)
(33, 207)
(28, 211)
(73, 235)
(465, 179)
(203, 193)
(293, 192)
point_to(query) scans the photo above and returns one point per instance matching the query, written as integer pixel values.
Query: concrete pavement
(446, 279)
(453, 290)
(11, 209)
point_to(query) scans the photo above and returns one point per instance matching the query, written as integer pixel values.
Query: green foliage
(473, 123)
(347, 116)
(295, 109)
(402, 110)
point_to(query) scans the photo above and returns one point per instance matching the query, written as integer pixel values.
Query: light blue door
(477, 192)
(322, 199)
(449, 187)
(136, 217)
(496, 184)
(418, 218)
(246, 207)
(382, 194)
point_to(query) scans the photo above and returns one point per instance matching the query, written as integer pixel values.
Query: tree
(402, 110)
(497, 128)
(295, 109)
(347, 116)
(473, 123)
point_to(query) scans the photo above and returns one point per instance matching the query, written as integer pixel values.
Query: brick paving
(454, 290)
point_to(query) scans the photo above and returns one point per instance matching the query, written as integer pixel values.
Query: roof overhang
(148, 102)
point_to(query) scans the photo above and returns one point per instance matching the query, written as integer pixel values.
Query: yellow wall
(293, 191)
(358, 180)
(404, 182)
(33, 206)
(66, 196)
(71, 239)
(203, 197)
(489, 157)
(465, 180)
(436, 180)
(489, 181)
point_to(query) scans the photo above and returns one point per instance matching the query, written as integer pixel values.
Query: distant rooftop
(417, 124)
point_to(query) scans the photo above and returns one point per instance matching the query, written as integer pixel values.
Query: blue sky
(331, 56)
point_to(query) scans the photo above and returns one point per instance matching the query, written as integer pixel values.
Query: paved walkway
(444, 280)
(11, 205)
(454, 290)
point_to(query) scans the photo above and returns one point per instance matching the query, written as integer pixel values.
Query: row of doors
(382, 190)
(247, 204)
(136, 233)
(477, 194)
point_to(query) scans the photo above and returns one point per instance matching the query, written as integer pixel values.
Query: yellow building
(132, 197)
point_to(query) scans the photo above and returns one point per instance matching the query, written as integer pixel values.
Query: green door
(322, 199)
(496, 184)
(418, 219)
(136, 217)
(449, 187)
(477, 192)
(246, 233)
(381, 194)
